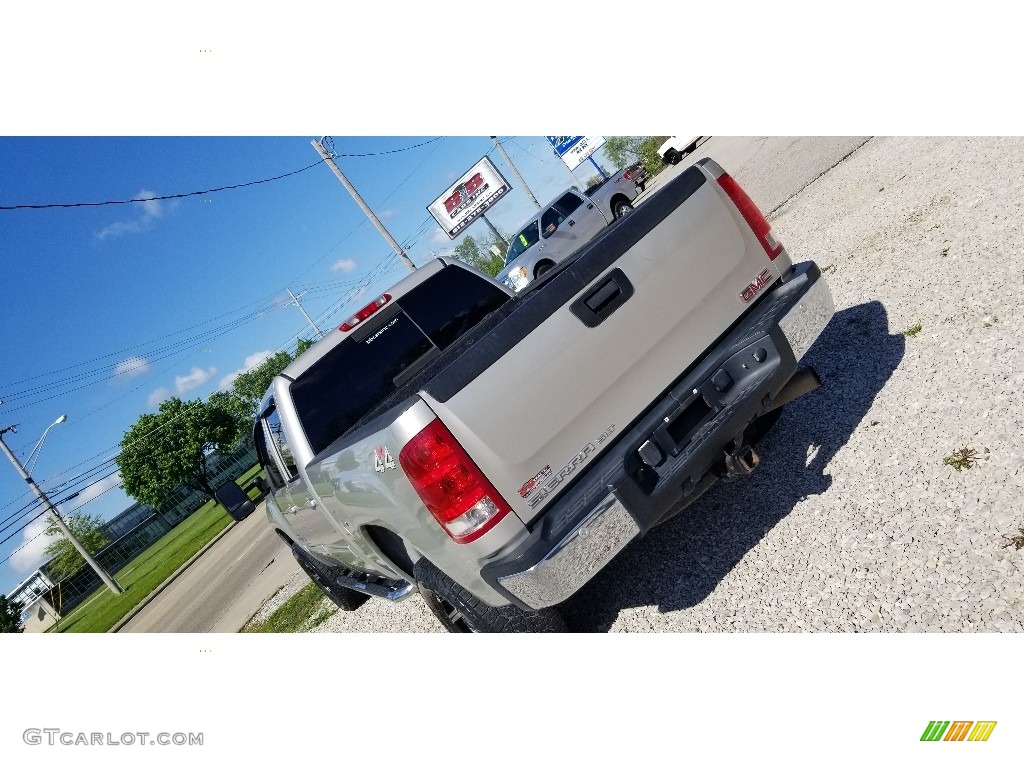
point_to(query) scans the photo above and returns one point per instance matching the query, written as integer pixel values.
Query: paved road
(225, 586)
(772, 169)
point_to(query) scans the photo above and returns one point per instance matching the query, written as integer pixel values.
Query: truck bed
(589, 378)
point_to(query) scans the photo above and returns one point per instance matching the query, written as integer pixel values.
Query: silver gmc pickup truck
(563, 226)
(492, 451)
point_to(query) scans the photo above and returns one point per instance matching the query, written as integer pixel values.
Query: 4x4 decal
(382, 460)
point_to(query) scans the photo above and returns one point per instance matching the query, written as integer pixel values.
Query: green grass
(150, 568)
(296, 613)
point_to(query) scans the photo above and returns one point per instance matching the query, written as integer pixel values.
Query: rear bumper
(672, 454)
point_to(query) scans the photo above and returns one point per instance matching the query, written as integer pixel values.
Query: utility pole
(295, 301)
(494, 230)
(329, 159)
(107, 579)
(515, 170)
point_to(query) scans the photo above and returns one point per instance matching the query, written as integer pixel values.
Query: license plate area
(679, 426)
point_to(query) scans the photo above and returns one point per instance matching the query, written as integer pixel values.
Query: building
(131, 532)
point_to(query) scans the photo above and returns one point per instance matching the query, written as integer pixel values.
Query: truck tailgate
(583, 355)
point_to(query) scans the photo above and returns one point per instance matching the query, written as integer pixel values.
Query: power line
(29, 522)
(135, 347)
(205, 191)
(157, 197)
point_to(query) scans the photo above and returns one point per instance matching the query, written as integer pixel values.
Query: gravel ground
(410, 615)
(853, 522)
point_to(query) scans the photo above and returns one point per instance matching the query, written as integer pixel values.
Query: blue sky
(108, 310)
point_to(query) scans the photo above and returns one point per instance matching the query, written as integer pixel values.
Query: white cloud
(132, 366)
(26, 560)
(387, 213)
(440, 237)
(158, 396)
(251, 362)
(345, 266)
(195, 378)
(146, 213)
(32, 555)
(91, 492)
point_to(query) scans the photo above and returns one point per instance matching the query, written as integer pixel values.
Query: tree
(88, 529)
(169, 448)
(251, 386)
(10, 615)
(301, 346)
(623, 151)
(480, 255)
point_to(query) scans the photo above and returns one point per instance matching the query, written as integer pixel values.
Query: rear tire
(672, 157)
(622, 208)
(459, 610)
(345, 599)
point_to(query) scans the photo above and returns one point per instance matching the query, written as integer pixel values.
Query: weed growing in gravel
(913, 330)
(1017, 542)
(965, 458)
(829, 268)
(321, 617)
(944, 251)
(294, 614)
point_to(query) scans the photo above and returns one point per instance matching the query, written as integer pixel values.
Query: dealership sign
(575, 149)
(466, 200)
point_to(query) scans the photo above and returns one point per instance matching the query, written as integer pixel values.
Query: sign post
(469, 198)
(573, 150)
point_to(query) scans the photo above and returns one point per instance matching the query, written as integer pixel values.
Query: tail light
(752, 215)
(365, 312)
(452, 487)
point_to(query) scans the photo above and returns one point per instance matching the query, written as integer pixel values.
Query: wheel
(544, 266)
(672, 157)
(459, 610)
(639, 188)
(345, 599)
(622, 208)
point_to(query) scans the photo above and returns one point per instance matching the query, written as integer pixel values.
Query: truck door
(582, 217)
(558, 236)
(287, 487)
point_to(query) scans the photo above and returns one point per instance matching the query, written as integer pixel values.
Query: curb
(167, 582)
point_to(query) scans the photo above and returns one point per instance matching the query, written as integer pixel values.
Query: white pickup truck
(493, 451)
(675, 148)
(563, 226)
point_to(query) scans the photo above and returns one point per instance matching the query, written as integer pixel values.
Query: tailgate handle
(600, 301)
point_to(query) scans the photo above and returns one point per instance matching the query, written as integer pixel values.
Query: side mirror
(550, 230)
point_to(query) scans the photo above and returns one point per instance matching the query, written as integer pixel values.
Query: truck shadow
(678, 564)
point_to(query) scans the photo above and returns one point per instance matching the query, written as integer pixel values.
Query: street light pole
(107, 579)
(34, 456)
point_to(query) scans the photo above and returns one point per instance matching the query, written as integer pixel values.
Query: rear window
(368, 367)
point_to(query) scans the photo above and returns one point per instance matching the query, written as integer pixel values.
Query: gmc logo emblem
(752, 290)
